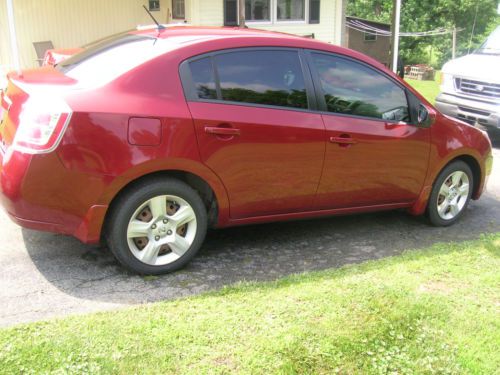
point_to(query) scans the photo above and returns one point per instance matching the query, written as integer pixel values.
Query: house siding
(378, 49)
(73, 23)
(68, 23)
(5, 56)
(211, 13)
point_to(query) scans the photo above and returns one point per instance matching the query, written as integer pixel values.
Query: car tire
(450, 194)
(161, 216)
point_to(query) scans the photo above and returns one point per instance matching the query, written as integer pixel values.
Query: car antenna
(160, 27)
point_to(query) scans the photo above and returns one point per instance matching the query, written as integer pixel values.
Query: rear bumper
(39, 193)
(471, 111)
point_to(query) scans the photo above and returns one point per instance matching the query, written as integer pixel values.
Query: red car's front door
(255, 131)
(374, 155)
(386, 163)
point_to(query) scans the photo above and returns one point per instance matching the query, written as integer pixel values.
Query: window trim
(292, 22)
(173, 6)
(191, 94)
(320, 95)
(150, 2)
(365, 35)
(258, 22)
(315, 95)
(273, 15)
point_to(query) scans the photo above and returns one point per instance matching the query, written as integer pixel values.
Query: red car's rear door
(255, 131)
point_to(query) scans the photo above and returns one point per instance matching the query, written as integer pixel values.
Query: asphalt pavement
(44, 275)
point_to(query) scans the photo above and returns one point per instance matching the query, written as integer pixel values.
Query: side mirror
(423, 115)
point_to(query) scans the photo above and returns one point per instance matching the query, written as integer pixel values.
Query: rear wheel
(157, 227)
(451, 194)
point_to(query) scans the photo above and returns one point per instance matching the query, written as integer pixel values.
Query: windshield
(492, 44)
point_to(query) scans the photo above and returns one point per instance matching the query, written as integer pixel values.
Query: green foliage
(429, 89)
(432, 311)
(424, 15)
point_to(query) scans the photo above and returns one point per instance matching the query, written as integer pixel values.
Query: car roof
(203, 34)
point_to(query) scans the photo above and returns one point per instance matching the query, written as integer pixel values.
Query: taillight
(42, 123)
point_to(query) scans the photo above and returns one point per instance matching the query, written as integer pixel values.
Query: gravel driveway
(45, 275)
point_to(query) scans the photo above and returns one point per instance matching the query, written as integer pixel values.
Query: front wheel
(157, 227)
(451, 194)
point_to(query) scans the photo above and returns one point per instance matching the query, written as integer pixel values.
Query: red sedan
(149, 138)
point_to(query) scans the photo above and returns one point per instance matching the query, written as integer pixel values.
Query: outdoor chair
(41, 48)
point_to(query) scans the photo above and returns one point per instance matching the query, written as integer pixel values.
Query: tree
(423, 15)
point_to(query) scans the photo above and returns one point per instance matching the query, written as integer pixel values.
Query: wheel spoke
(179, 246)
(454, 209)
(184, 215)
(150, 253)
(442, 208)
(445, 190)
(456, 177)
(464, 189)
(137, 228)
(158, 206)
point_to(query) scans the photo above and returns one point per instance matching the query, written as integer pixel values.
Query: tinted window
(262, 77)
(351, 88)
(203, 78)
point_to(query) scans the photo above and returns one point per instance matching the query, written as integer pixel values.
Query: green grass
(429, 89)
(428, 311)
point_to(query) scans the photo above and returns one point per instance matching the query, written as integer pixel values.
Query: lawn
(433, 310)
(429, 89)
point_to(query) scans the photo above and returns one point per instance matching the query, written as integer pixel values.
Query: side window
(353, 89)
(262, 77)
(203, 78)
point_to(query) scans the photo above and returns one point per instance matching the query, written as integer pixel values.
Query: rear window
(203, 78)
(106, 60)
(262, 77)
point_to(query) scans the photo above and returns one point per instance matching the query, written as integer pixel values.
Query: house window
(314, 11)
(178, 9)
(273, 11)
(230, 12)
(154, 5)
(290, 10)
(257, 10)
(370, 37)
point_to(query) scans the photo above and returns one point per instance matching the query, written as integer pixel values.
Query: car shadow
(251, 253)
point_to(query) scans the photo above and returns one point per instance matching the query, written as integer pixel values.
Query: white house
(73, 23)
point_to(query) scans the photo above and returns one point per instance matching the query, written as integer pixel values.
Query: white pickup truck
(470, 89)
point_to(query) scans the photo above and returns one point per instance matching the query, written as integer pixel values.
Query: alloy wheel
(161, 230)
(453, 195)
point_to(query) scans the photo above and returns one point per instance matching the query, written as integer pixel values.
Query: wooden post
(454, 43)
(241, 12)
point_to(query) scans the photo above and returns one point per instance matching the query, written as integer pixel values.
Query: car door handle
(343, 140)
(218, 130)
